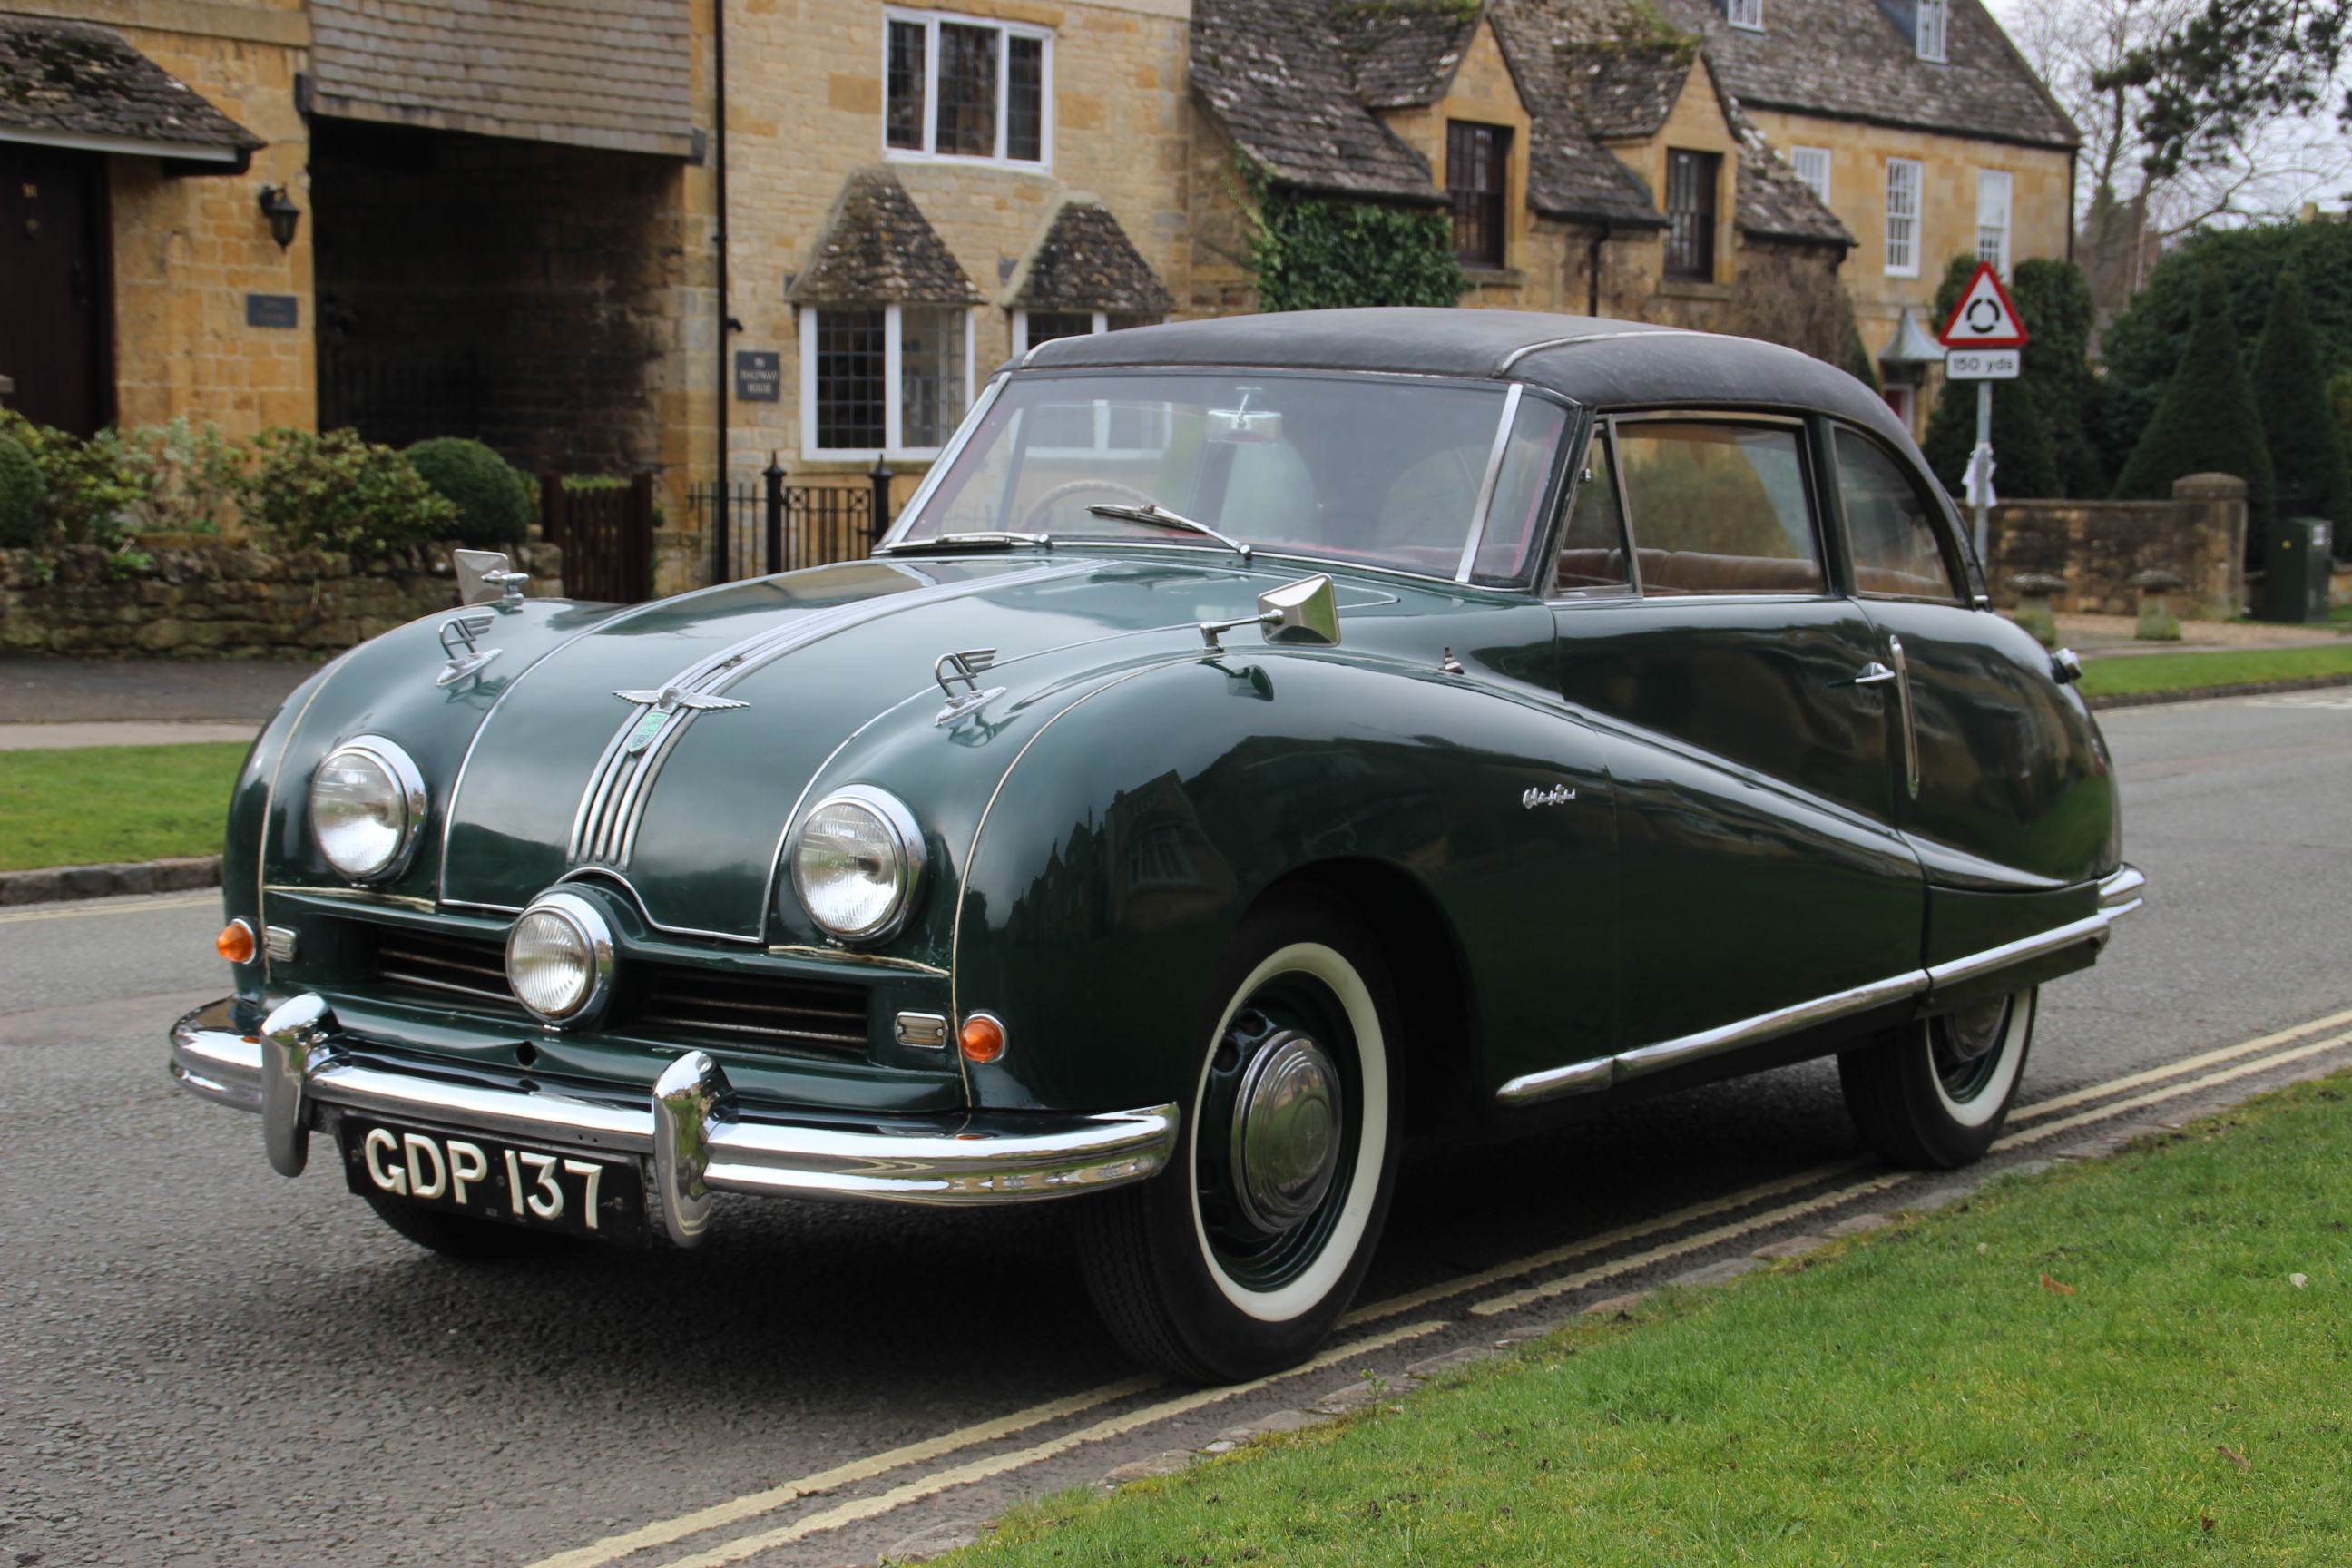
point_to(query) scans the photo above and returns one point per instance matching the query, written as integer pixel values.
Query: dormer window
(1478, 168)
(1748, 14)
(1934, 19)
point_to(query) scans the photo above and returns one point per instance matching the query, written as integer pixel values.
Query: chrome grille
(471, 967)
(756, 1011)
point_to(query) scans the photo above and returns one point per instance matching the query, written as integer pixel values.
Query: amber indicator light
(236, 943)
(982, 1038)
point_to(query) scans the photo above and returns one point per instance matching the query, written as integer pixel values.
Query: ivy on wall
(1315, 255)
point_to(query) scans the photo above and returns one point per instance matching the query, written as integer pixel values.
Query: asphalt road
(201, 1363)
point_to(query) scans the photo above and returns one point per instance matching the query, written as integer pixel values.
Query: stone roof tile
(1403, 52)
(879, 249)
(1849, 60)
(1085, 262)
(61, 79)
(1278, 79)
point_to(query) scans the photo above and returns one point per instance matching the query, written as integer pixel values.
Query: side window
(1719, 508)
(1897, 551)
(1593, 548)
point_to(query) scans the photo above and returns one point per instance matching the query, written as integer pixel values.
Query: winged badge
(671, 698)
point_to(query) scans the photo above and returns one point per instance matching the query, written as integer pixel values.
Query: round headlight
(559, 957)
(857, 861)
(367, 803)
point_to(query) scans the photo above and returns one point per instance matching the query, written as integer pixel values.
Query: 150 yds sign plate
(543, 1189)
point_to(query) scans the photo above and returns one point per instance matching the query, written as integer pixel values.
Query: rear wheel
(1238, 1260)
(1935, 1094)
(455, 1235)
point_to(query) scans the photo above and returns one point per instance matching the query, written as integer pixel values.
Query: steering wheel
(1074, 487)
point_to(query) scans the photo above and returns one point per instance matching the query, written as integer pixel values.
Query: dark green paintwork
(1738, 838)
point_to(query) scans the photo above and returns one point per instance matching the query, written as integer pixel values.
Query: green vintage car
(1260, 742)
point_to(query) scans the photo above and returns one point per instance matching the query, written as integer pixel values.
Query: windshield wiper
(983, 540)
(1159, 516)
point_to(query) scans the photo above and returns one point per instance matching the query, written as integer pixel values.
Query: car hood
(670, 746)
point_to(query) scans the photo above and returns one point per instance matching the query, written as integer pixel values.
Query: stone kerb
(2098, 546)
(224, 599)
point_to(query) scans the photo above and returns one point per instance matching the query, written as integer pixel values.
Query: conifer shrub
(2054, 298)
(21, 490)
(2207, 421)
(493, 501)
(2291, 393)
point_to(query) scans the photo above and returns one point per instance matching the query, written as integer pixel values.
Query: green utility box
(2295, 563)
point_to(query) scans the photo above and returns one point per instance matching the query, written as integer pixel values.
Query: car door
(2003, 786)
(1760, 868)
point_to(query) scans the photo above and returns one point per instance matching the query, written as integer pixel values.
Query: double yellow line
(2032, 1123)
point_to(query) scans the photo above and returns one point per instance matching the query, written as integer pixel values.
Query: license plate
(564, 1190)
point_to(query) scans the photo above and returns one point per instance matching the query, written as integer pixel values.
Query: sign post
(1982, 339)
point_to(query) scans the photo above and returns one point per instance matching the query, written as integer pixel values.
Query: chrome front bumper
(696, 1138)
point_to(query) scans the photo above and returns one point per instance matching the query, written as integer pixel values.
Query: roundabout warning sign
(1984, 332)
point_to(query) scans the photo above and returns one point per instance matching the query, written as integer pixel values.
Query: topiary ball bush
(493, 503)
(20, 495)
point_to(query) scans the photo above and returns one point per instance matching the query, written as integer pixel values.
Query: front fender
(1122, 847)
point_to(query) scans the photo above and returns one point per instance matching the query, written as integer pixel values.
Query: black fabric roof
(1607, 363)
(67, 83)
(1849, 60)
(877, 249)
(1085, 262)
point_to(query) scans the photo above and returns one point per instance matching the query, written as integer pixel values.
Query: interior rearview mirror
(1245, 425)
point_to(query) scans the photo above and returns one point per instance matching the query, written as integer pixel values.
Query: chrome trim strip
(1910, 719)
(1555, 1083)
(1524, 349)
(989, 1158)
(354, 895)
(2091, 927)
(1495, 456)
(1768, 1025)
(2119, 894)
(855, 960)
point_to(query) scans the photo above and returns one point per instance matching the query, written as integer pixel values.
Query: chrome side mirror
(1305, 613)
(488, 576)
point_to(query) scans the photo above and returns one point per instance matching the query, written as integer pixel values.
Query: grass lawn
(2121, 676)
(2110, 1364)
(85, 805)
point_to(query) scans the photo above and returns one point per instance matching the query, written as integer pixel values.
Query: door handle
(1874, 674)
(1910, 724)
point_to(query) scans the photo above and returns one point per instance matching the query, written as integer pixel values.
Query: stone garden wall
(219, 599)
(2098, 546)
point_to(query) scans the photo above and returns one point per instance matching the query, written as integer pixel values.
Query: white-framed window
(1993, 189)
(1903, 179)
(1031, 328)
(966, 88)
(1928, 32)
(1812, 166)
(1748, 14)
(894, 379)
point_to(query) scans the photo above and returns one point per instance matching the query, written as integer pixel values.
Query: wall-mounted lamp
(284, 217)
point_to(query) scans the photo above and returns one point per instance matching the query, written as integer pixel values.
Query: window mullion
(931, 85)
(1003, 92)
(893, 429)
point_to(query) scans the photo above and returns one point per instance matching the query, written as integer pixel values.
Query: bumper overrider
(694, 1138)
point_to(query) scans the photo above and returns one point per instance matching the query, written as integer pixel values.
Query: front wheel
(1238, 1260)
(1935, 1094)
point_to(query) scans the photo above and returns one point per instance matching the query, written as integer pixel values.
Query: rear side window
(1593, 548)
(1718, 508)
(1899, 552)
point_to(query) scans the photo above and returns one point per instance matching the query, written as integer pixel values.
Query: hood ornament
(964, 669)
(660, 703)
(459, 634)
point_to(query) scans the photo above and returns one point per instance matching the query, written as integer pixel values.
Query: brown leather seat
(1695, 572)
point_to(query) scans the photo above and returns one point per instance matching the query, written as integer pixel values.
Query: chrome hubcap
(1966, 1046)
(1286, 1132)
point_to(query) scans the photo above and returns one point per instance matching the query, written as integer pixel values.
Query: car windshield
(1362, 469)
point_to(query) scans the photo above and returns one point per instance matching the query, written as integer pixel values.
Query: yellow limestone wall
(1484, 92)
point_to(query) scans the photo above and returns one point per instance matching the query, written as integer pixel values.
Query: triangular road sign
(1984, 319)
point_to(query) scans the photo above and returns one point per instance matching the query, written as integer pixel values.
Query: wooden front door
(54, 327)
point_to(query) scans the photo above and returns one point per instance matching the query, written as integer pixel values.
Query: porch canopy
(83, 88)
